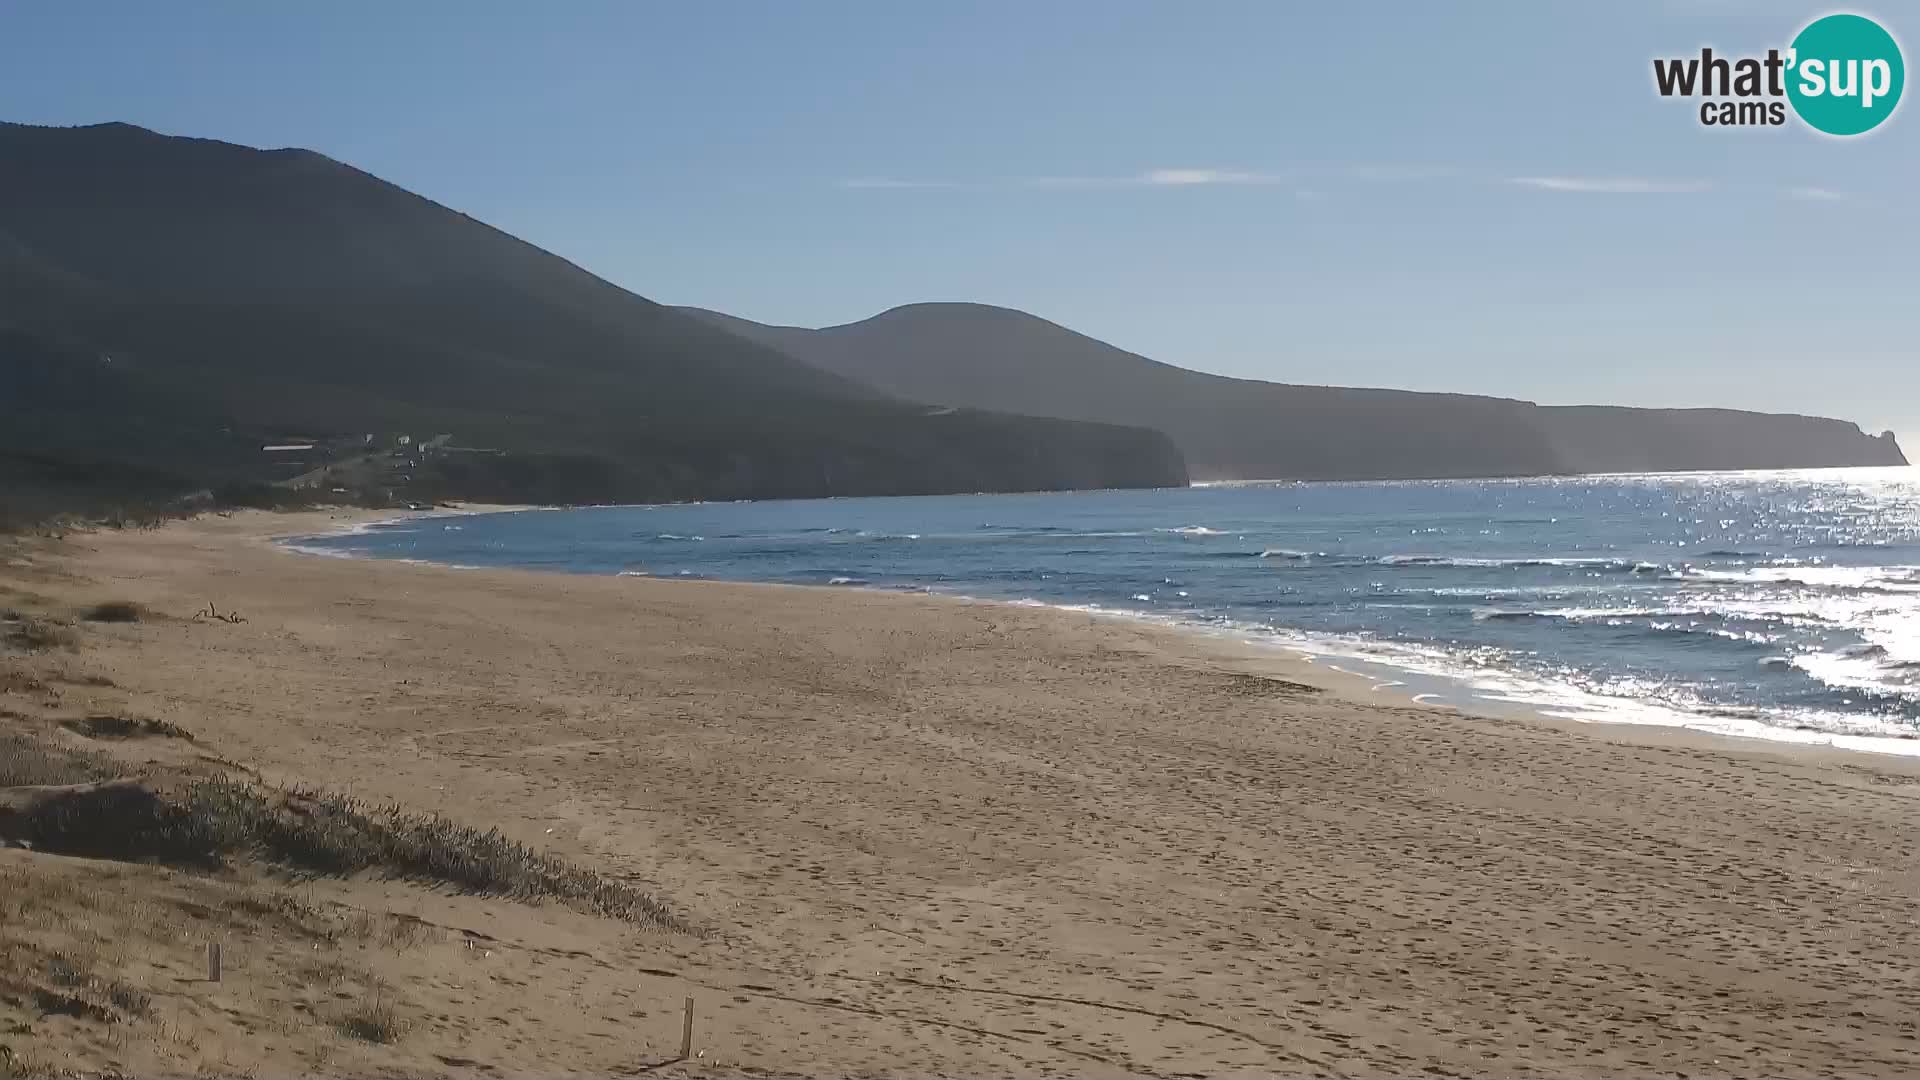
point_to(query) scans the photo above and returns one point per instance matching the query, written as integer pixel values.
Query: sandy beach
(926, 836)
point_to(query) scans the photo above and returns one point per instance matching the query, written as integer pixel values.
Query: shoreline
(977, 838)
(1425, 688)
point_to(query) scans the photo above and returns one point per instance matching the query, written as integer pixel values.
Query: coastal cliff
(988, 357)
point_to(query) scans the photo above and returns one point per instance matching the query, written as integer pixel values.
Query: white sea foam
(308, 549)
(1562, 562)
(1483, 678)
(1889, 579)
(1631, 706)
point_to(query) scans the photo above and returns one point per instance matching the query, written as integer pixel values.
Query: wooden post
(213, 961)
(686, 1032)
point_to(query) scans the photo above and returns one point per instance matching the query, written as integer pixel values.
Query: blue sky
(1483, 197)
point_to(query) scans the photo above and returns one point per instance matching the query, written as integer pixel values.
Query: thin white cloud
(1178, 177)
(1302, 181)
(888, 183)
(1611, 185)
(1816, 194)
(1182, 177)
(1187, 177)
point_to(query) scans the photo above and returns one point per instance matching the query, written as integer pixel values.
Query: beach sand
(936, 836)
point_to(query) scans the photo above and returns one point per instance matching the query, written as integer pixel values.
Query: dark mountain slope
(988, 357)
(178, 301)
(1606, 438)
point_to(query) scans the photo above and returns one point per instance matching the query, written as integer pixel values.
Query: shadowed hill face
(178, 289)
(988, 357)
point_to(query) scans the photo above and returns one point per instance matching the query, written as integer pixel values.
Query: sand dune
(930, 836)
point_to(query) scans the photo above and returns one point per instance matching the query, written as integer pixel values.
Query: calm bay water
(1777, 604)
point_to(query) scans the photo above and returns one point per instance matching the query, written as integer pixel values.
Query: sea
(1781, 605)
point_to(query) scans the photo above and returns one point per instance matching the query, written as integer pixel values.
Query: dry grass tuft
(373, 1021)
(70, 986)
(389, 931)
(21, 682)
(115, 611)
(129, 1000)
(333, 834)
(64, 970)
(18, 1065)
(107, 726)
(209, 820)
(27, 762)
(32, 633)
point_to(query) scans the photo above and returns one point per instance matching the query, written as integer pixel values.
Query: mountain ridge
(1234, 428)
(182, 302)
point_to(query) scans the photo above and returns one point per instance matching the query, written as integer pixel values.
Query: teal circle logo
(1845, 74)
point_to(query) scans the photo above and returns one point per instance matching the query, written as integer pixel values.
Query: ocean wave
(1456, 562)
(328, 552)
(1437, 560)
(1862, 579)
(1719, 633)
(1492, 675)
(1499, 615)
(1042, 532)
(1867, 668)
(1463, 562)
(1652, 621)
(1193, 530)
(842, 580)
(1555, 591)
(677, 536)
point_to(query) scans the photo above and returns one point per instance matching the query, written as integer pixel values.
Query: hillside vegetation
(173, 305)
